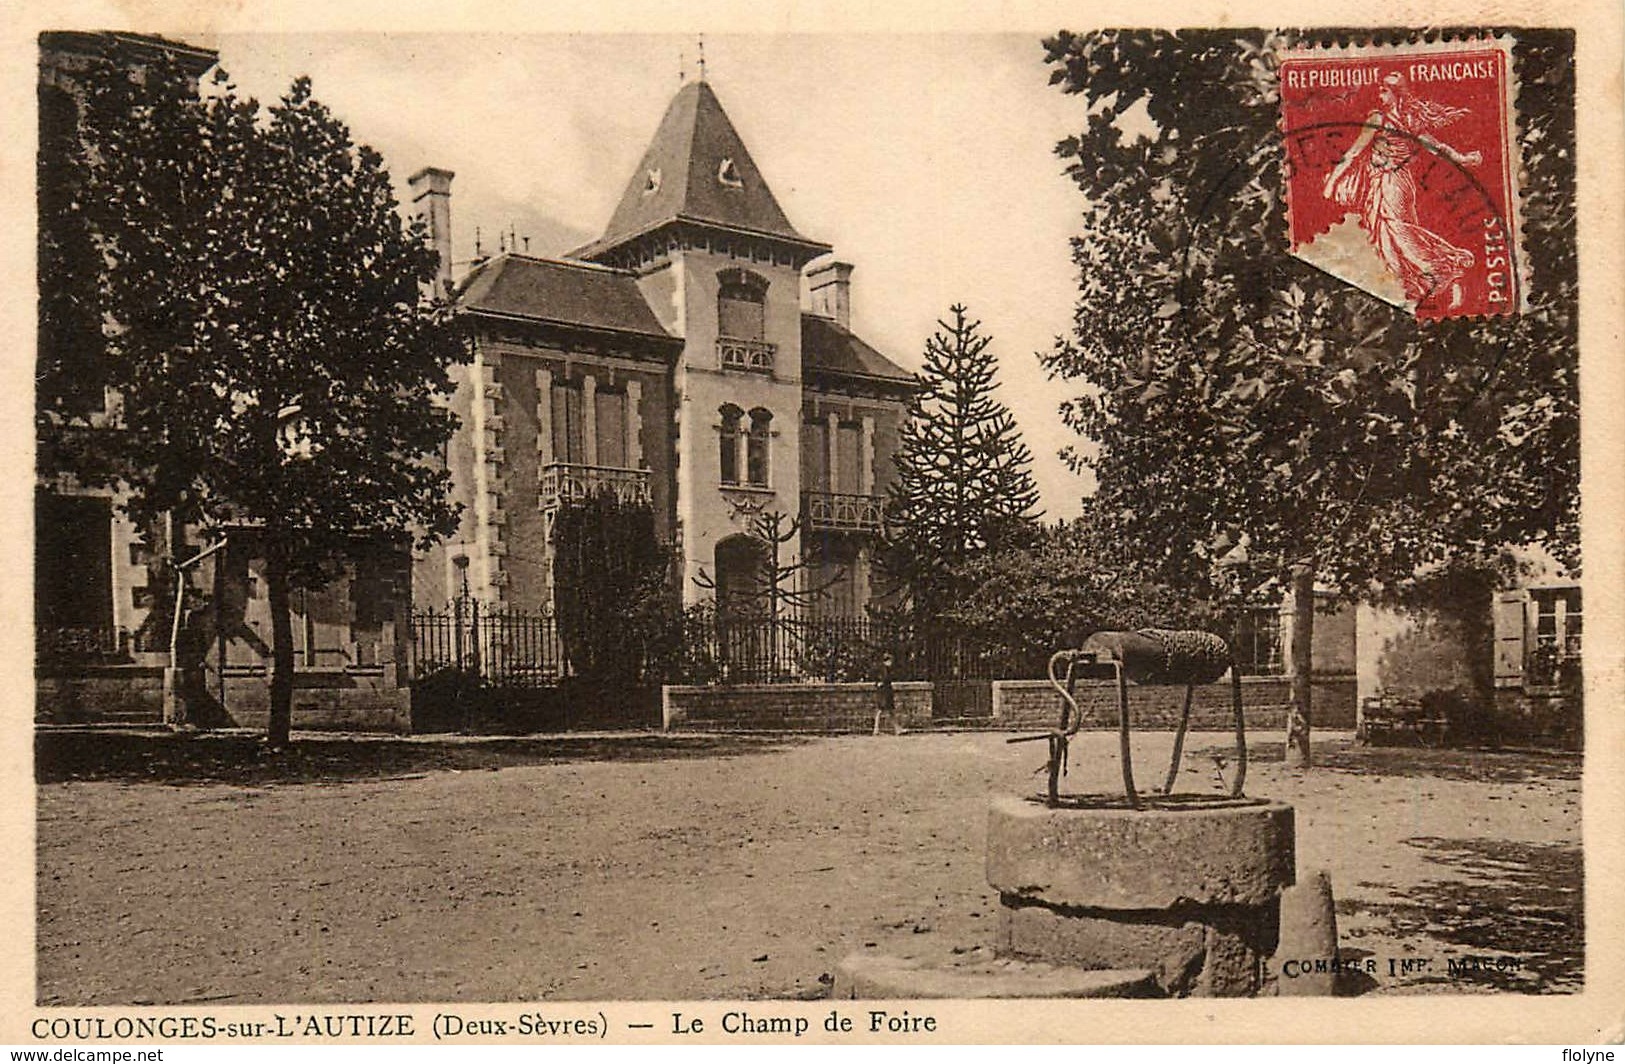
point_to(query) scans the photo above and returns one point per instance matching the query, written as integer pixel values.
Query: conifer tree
(964, 478)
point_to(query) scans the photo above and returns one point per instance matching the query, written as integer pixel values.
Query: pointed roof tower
(697, 172)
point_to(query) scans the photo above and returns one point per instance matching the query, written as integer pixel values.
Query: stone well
(1187, 887)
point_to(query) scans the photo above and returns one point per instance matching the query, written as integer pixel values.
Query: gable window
(741, 306)
(728, 443)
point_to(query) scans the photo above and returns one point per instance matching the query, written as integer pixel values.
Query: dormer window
(728, 175)
(651, 182)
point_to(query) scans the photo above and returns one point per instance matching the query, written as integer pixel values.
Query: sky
(926, 160)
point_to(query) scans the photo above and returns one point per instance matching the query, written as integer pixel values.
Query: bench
(1386, 717)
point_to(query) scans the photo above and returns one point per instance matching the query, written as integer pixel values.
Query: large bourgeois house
(692, 358)
(675, 361)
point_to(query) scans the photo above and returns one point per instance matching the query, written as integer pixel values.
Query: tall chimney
(431, 201)
(831, 289)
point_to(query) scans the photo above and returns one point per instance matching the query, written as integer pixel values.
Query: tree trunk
(277, 590)
(1299, 713)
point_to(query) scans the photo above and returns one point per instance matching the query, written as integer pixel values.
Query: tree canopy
(1239, 397)
(1236, 391)
(278, 364)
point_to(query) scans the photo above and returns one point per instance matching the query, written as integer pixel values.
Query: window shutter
(1511, 635)
(611, 428)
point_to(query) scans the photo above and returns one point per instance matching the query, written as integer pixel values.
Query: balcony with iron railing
(562, 483)
(836, 511)
(753, 356)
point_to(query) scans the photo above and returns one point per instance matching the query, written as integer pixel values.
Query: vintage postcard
(732, 525)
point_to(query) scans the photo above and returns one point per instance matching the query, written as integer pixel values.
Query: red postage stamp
(1402, 169)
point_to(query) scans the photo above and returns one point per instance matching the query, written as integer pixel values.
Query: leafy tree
(280, 370)
(610, 587)
(70, 370)
(1240, 398)
(1027, 600)
(964, 478)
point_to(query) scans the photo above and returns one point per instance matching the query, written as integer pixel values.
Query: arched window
(741, 563)
(756, 447)
(741, 305)
(728, 442)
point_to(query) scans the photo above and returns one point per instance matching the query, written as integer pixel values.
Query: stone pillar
(866, 462)
(832, 449)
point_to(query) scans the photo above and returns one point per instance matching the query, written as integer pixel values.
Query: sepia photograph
(854, 528)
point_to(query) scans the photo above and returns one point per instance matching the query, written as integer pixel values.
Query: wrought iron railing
(753, 355)
(567, 482)
(499, 647)
(85, 645)
(834, 510)
(503, 647)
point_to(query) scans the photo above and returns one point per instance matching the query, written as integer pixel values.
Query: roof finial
(702, 57)
(682, 67)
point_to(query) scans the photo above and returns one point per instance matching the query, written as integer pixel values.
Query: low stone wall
(347, 700)
(791, 707)
(1034, 705)
(107, 694)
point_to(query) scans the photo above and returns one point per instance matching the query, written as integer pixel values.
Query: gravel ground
(686, 867)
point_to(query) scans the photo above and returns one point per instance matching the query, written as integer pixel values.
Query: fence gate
(483, 668)
(961, 680)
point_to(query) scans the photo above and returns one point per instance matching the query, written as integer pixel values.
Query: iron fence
(85, 645)
(518, 649)
(502, 647)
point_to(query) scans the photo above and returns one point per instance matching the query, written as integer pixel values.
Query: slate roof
(688, 152)
(829, 348)
(566, 293)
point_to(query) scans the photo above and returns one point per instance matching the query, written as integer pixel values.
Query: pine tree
(964, 478)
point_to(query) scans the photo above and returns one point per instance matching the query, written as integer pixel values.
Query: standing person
(887, 707)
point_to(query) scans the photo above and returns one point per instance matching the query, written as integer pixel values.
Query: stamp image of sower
(1401, 168)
